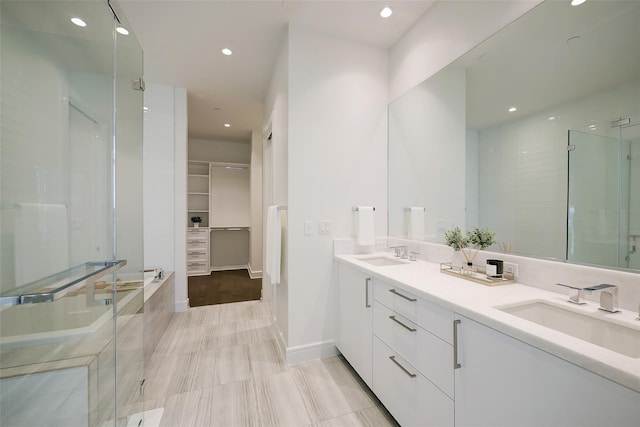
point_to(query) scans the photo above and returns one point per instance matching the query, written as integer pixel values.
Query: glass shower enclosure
(71, 273)
(603, 217)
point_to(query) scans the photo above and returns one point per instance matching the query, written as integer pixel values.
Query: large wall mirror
(534, 134)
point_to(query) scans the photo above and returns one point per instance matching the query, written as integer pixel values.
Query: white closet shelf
(193, 193)
(198, 210)
(196, 175)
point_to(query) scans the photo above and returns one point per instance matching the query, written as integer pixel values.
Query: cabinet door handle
(393, 291)
(367, 281)
(456, 364)
(405, 370)
(402, 324)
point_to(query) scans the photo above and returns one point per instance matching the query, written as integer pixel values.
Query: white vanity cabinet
(412, 358)
(505, 382)
(355, 299)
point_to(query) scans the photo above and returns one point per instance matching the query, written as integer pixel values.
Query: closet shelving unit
(220, 194)
(198, 186)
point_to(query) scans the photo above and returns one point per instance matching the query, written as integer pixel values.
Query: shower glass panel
(599, 199)
(70, 314)
(129, 238)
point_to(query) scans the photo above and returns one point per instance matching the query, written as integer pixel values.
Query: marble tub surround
(478, 302)
(220, 365)
(539, 273)
(159, 308)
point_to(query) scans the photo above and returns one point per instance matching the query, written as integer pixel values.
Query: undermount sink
(380, 261)
(599, 331)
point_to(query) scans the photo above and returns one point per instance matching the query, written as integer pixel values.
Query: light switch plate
(324, 227)
(308, 230)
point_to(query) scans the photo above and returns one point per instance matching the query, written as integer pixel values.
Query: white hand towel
(365, 234)
(416, 223)
(41, 241)
(273, 245)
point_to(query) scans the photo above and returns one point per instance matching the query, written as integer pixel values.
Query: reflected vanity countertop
(479, 302)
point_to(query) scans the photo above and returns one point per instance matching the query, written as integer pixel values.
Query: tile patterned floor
(219, 366)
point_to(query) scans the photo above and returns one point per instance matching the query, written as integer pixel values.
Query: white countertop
(478, 302)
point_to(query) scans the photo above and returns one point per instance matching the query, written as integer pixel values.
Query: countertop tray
(475, 276)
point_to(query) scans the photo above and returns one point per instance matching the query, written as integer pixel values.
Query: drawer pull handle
(402, 324)
(393, 359)
(456, 364)
(393, 291)
(367, 281)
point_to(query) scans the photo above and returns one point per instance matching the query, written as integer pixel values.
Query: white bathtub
(66, 319)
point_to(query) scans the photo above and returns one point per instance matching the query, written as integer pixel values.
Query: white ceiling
(182, 40)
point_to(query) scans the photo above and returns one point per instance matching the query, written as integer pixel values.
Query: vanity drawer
(432, 356)
(397, 299)
(410, 397)
(425, 314)
(396, 331)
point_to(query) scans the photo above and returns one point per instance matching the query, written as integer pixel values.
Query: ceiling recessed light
(512, 109)
(227, 125)
(122, 30)
(79, 22)
(552, 117)
(145, 108)
(577, 2)
(226, 51)
(386, 12)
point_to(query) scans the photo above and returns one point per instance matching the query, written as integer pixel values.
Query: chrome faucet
(608, 297)
(574, 299)
(400, 251)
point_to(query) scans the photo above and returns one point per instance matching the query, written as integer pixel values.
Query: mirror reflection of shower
(603, 212)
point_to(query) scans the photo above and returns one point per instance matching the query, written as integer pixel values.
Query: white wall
(165, 183)
(255, 256)
(337, 160)
(275, 173)
(159, 177)
(427, 154)
(219, 151)
(445, 32)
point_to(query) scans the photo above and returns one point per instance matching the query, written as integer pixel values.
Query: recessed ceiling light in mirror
(79, 22)
(122, 30)
(226, 51)
(577, 2)
(512, 109)
(386, 12)
(227, 125)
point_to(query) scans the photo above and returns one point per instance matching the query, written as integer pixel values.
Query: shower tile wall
(522, 170)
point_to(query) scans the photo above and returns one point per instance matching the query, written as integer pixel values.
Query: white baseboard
(182, 305)
(316, 350)
(229, 267)
(254, 274)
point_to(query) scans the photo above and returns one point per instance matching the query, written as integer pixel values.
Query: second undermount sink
(594, 329)
(380, 260)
